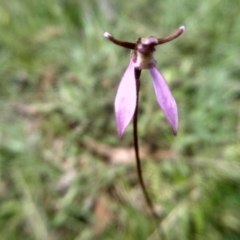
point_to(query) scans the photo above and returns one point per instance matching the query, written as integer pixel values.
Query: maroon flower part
(142, 58)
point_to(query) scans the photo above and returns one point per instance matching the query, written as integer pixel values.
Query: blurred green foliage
(59, 152)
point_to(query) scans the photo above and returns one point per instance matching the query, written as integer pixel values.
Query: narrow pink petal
(165, 98)
(125, 101)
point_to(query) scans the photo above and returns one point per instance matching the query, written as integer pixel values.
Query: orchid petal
(165, 98)
(125, 101)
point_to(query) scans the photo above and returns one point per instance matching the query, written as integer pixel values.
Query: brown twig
(136, 148)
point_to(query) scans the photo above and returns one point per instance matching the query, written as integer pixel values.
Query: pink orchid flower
(142, 58)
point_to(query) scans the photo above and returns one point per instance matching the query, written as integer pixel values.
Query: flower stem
(136, 148)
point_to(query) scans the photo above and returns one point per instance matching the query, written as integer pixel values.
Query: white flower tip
(183, 28)
(107, 35)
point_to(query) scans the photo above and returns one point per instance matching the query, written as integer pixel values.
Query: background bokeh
(64, 173)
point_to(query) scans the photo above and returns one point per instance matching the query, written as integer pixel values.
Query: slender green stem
(136, 148)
